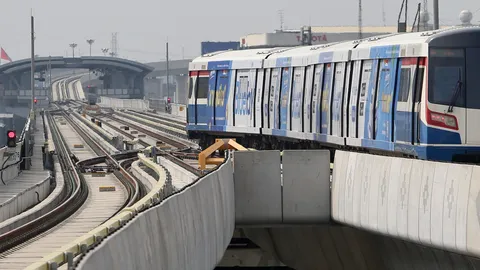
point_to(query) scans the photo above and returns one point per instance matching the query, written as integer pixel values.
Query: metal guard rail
(81, 244)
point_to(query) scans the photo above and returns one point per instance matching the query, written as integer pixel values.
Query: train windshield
(447, 70)
(202, 89)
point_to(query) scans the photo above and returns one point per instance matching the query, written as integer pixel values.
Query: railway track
(83, 207)
(162, 120)
(122, 175)
(157, 136)
(76, 194)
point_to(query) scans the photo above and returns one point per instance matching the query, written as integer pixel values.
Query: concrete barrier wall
(106, 145)
(40, 209)
(180, 177)
(260, 198)
(143, 176)
(24, 200)
(116, 103)
(431, 203)
(189, 230)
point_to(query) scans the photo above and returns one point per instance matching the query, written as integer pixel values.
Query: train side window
(202, 90)
(405, 82)
(190, 87)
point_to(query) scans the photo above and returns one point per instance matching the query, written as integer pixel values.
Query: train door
(274, 98)
(191, 109)
(384, 102)
(353, 112)
(221, 97)
(307, 102)
(296, 104)
(266, 99)
(212, 85)
(243, 92)
(285, 98)
(326, 99)
(404, 97)
(316, 112)
(337, 98)
(201, 103)
(258, 98)
(364, 98)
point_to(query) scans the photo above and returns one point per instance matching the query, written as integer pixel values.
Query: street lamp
(90, 42)
(105, 51)
(73, 46)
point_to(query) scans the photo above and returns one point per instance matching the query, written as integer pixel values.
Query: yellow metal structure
(220, 144)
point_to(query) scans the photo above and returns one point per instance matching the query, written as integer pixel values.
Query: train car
(411, 94)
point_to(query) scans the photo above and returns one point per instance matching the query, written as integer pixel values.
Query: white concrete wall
(143, 176)
(43, 207)
(186, 231)
(430, 203)
(24, 200)
(180, 177)
(116, 103)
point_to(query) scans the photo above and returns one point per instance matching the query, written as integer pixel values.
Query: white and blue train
(411, 94)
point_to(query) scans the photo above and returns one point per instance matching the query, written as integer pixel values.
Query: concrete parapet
(430, 203)
(40, 209)
(180, 177)
(147, 180)
(189, 230)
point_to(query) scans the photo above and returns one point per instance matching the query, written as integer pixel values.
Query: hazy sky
(144, 25)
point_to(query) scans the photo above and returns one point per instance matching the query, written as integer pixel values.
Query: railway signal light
(11, 138)
(169, 100)
(35, 101)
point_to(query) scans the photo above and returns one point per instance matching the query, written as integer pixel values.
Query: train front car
(452, 110)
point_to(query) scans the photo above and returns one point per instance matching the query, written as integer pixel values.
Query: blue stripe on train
(202, 114)
(191, 113)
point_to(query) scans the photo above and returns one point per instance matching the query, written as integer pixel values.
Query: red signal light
(11, 134)
(168, 100)
(35, 101)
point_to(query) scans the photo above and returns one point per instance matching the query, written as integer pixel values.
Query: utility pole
(360, 36)
(50, 96)
(168, 75)
(436, 24)
(32, 77)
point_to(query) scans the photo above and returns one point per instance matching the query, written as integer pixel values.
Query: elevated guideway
(299, 223)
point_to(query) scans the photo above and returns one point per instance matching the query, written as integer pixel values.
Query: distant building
(320, 35)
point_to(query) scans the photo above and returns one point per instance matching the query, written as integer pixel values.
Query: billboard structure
(211, 46)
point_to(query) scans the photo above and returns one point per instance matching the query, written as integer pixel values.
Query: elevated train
(411, 94)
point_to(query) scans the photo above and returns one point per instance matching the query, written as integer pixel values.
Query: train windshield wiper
(456, 91)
